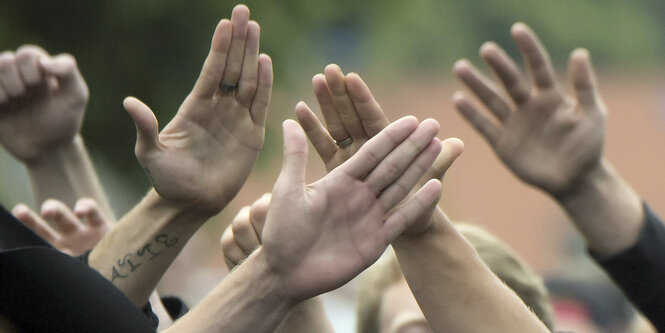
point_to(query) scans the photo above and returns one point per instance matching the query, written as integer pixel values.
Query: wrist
(173, 211)
(587, 183)
(605, 209)
(435, 224)
(62, 153)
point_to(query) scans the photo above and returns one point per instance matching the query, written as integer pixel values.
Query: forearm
(247, 300)
(66, 173)
(308, 316)
(456, 291)
(137, 252)
(606, 210)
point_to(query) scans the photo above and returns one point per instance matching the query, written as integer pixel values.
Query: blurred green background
(153, 49)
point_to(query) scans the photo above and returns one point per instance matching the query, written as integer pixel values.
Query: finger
(64, 68)
(537, 60)
(239, 21)
(480, 122)
(233, 254)
(376, 149)
(294, 163)
(483, 88)
(399, 159)
(27, 60)
(243, 232)
(369, 111)
(258, 213)
(328, 108)
(399, 189)
(88, 210)
(451, 148)
(584, 79)
(33, 221)
(213, 67)
(63, 218)
(413, 209)
(147, 130)
(507, 71)
(343, 104)
(261, 98)
(323, 143)
(10, 79)
(249, 74)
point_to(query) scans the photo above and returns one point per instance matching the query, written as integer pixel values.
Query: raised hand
(204, 155)
(42, 101)
(77, 231)
(317, 237)
(351, 111)
(546, 137)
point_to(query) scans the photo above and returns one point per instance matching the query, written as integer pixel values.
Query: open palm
(318, 237)
(205, 154)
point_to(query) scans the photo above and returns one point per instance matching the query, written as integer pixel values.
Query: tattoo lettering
(125, 260)
(145, 249)
(164, 239)
(132, 261)
(117, 275)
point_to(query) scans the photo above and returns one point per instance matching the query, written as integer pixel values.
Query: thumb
(451, 149)
(146, 125)
(295, 158)
(65, 70)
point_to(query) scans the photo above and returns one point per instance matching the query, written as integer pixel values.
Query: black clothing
(640, 270)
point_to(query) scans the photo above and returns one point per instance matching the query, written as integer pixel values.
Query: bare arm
(40, 119)
(454, 288)
(197, 163)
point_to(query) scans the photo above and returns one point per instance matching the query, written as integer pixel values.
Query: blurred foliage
(153, 49)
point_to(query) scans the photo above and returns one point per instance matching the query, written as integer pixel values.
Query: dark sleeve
(640, 270)
(13, 234)
(175, 307)
(147, 310)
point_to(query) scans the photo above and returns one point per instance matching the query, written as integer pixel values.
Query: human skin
(197, 163)
(319, 236)
(552, 140)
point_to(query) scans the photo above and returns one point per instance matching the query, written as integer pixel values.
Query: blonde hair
(496, 255)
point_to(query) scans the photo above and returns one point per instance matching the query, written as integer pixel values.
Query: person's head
(386, 304)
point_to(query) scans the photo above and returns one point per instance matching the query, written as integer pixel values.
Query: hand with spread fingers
(351, 111)
(555, 142)
(42, 102)
(546, 137)
(77, 231)
(204, 155)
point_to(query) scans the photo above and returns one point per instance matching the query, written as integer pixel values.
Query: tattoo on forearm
(130, 262)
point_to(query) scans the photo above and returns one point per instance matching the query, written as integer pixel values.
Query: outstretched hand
(76, 231)
(351, 112)
(546, 137)
(204, 155)
(42, 101)
(317, 237)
